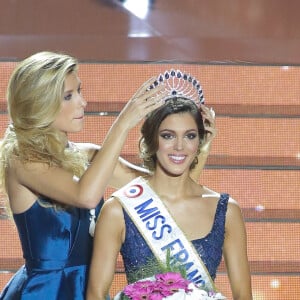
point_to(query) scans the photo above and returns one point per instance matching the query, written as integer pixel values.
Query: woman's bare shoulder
(112, 207)
(211, 193)
(20, 197)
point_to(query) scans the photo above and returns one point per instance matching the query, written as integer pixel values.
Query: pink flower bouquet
(166, 286)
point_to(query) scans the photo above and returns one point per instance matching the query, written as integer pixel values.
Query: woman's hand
(208, 116)
(143, 102)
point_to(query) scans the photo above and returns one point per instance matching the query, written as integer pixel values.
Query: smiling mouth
(177, 158)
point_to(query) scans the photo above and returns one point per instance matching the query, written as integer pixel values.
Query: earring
(195, 161)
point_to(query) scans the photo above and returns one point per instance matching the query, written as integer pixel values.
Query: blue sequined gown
(57, 249)
(136, 253)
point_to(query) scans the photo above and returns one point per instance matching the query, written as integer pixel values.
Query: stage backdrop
(255, 158)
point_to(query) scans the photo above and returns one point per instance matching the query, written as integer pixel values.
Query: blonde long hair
(34, 97)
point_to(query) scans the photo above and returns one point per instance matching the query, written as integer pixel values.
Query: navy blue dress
(137, 254)
(57, 249)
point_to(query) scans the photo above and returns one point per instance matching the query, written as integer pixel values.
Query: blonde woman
(55, 186)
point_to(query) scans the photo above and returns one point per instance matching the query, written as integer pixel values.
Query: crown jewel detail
(181, 84)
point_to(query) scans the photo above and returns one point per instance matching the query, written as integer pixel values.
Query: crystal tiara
(181, 84)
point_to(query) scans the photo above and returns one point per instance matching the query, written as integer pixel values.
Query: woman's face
(178, 143)
(71, 115)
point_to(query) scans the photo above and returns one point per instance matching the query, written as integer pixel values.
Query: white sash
(160, 230)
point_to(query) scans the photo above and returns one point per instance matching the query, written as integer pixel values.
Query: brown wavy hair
(148, 143)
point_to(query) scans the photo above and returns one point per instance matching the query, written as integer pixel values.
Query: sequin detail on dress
(136, 252)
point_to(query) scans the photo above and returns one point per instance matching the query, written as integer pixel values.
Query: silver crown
(182, 85)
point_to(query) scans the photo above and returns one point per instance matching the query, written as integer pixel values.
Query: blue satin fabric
(136, 252)
(57, 249)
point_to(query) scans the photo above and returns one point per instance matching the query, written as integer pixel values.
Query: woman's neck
(171, 186)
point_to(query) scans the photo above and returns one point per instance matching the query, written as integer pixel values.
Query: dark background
(256, 31)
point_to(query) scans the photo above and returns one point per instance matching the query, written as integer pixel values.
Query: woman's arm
(208, 116)
(108, 239)
(235, 253)
(58, 184)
